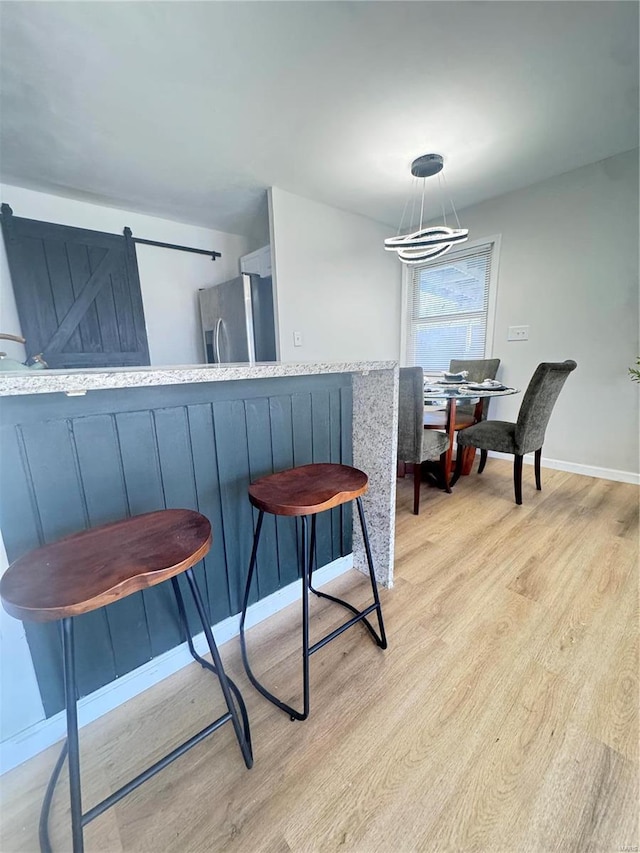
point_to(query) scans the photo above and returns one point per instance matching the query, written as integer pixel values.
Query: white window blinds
(448, 308)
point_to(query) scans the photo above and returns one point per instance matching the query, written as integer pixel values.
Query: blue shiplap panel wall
(144, 491)
(100, 463)
(205, 468)
(260, 464)
(54, 470)
(173, 441)
(281, 417)
(72, 463)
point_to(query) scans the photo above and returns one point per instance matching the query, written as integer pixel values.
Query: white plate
(480, 386)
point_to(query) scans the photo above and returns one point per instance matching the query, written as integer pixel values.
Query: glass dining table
(441, 409)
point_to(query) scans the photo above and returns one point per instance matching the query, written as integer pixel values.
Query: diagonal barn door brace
(80, 307)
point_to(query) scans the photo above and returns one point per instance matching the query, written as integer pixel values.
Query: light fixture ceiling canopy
(426, 243)
(427, 165)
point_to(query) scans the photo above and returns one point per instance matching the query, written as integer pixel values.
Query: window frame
(494, 240)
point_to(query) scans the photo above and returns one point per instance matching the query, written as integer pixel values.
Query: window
(450, 307)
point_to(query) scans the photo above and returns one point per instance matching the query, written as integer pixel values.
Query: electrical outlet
(518, 333)
(297, 339)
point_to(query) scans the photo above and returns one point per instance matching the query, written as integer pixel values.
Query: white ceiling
(190, 110)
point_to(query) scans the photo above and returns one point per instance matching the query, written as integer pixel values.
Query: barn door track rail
(213, 255)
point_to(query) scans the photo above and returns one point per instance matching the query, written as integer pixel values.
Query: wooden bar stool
(93, 568)
(305, 491)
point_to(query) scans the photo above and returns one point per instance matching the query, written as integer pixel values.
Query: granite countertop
(76, 382)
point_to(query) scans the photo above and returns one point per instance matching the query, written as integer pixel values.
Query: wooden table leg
(468, 458)
(469, 453)
(451, 432)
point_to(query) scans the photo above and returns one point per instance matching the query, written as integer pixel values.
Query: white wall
(169, 279)
(569, 270)
(335, 283)
(259, 233)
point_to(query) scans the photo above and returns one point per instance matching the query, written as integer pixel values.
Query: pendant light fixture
(426, 243)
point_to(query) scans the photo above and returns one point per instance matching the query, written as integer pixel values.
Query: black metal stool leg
(361, 615)
(382, 641)
(308, 556)
(312, 552)
(205, 663)
(182, 613)
(243, 741)
(72, 734)
(306, 583)
(43, 827)
(295, 715)
(247, 589)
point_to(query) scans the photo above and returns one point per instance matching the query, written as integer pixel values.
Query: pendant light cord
(442, 207)
(453, 208)
(406, 205)
(414, 190)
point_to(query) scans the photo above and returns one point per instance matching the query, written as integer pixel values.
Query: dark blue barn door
(77, 293)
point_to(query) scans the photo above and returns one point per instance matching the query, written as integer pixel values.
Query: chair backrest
(538, 402)
(479, 369)
(410, 414)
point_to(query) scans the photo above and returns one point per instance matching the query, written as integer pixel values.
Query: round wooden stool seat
(308, 489)
(95, 567)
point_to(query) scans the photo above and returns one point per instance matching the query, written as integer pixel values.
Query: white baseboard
(576, 468)
(27, 743)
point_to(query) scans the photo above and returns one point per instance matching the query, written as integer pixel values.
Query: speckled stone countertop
(95, 379)
(375, 422)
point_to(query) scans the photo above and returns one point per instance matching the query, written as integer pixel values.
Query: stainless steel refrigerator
(238, 320)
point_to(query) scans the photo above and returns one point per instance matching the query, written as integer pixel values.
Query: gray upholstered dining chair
(416, 444)
(478, 370)
(527, 433)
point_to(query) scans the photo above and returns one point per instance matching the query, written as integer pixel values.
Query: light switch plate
(297, 339)
(518, 333)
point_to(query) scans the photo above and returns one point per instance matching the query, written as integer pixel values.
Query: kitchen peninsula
(81, 448)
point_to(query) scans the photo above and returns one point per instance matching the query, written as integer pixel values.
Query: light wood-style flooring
(502, 717)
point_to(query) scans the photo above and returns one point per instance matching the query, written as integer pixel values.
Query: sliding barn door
(77, 293)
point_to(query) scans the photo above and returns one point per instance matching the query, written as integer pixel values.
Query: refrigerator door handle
(217, 341)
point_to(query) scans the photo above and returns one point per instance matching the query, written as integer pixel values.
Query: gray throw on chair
(415, 443)
(526, 435)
